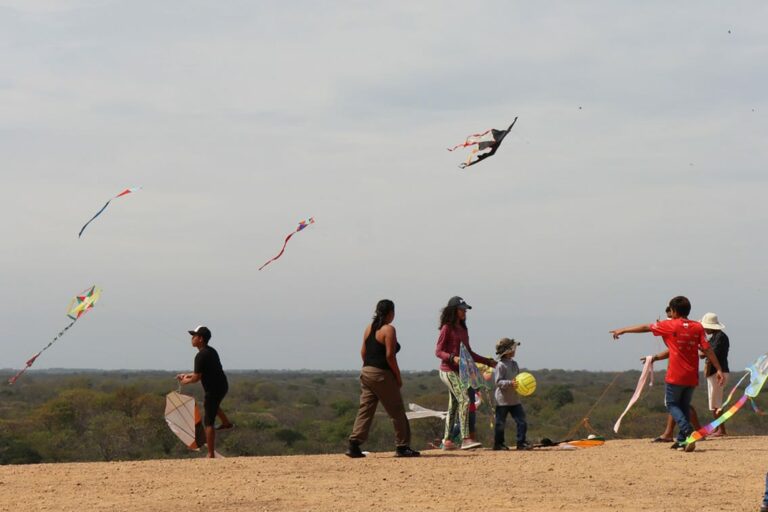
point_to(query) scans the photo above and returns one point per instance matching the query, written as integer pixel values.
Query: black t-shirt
(208, 365)
(720, 345)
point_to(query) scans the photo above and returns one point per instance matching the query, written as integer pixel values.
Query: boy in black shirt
(209, 372)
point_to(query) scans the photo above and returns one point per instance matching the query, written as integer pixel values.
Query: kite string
(585, 420)
(32, 359)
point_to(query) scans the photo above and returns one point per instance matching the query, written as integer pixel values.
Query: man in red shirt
(684, 338)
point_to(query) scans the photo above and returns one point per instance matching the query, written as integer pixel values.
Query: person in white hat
(720, 345)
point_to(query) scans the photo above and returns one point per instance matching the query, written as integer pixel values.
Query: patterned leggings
(458, 401)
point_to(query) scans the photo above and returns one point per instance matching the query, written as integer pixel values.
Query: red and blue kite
(121, 194)
(303, 224)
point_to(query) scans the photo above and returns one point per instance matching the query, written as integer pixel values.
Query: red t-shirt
(683, 338)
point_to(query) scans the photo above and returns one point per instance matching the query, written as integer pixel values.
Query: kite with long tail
(121, 194)
(489, 139)
(303, 224)
(79, 305)
(758, 374)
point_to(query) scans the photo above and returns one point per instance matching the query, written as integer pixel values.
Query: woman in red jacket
(453, 332)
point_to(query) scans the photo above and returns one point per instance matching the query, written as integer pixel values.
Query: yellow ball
(526, 384)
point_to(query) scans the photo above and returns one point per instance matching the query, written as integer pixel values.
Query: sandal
(225, 427)
(662, 440)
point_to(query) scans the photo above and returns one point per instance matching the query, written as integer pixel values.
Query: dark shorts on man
(211, 404)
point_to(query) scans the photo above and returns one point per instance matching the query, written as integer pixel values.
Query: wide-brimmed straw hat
(710, 321)
(505, 345)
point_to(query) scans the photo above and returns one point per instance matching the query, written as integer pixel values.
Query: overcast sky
(636, 172)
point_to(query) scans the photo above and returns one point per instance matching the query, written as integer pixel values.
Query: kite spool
(526, 384)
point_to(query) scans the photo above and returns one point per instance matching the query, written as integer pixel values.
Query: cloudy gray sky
(636, 172)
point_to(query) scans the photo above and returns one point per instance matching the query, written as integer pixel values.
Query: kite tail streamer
(302, 225)
(644, 376)
(32, 359)
(468, 141)
(733, 391)
(92, 218)
(708, 429)
(584, 422)
(121, 194)
(281, 250)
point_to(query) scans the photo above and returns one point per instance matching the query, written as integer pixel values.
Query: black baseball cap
(458, 302)
(203, 331)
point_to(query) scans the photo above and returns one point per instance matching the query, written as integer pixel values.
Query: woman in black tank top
(380, 381)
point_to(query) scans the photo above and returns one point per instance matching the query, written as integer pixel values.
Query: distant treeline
(101, 416)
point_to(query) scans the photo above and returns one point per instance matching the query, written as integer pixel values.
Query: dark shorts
(211, 404)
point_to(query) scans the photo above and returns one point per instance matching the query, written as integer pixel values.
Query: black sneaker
(677, 446)
(354, 451)
(498, 447)
(764, 507)
(525, 445)
(406, 451)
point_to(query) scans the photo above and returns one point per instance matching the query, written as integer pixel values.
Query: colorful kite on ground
(78, 306)
(645, 376)
(121, 194)
(303, 224)
(489, 139)
(572, 444)
(758, 374)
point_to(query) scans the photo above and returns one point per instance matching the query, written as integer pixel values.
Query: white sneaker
(470, 444)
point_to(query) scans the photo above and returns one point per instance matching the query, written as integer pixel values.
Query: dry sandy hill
(721, 475)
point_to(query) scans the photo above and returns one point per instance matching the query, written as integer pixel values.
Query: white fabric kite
(417, 412)
(183, 418)
(644, 376)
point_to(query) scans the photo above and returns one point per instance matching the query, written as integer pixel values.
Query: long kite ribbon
(79, 305)
(471, 140)
(758, 374)
(645, 376)
(121, 194)
(303, 224)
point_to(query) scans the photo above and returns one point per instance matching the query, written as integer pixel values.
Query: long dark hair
(450, 316)
(383, 308)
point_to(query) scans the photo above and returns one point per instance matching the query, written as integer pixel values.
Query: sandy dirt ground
(721, 475)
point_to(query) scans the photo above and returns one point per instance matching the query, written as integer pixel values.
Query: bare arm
(390, 343)
(188, 378)
(632, 329)
(714, 362)
(481, 359)
(365, 337)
